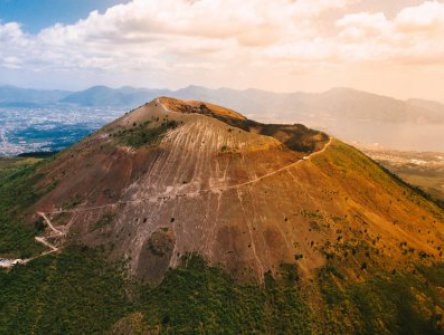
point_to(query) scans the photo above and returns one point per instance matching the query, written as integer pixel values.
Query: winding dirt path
(49, 224)
(43, 241)
(285, 168)
(7, 263)
(213, 189)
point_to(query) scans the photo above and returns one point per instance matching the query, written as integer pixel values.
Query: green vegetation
(105, 220)
(75, 292)
(198, 299)
(17, 191)
(78, 292)
(296, 137)
(314, 215)
(349, 164)
(427, 175)
(416, 189)
(141, 134)
(397, 303)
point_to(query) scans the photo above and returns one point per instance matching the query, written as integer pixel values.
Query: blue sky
(35, 15)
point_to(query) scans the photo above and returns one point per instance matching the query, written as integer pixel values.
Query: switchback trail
(57, 233)
(49, 224)
(43, 241)
(9, 263)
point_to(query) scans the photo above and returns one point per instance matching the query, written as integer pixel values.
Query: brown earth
(175, 177)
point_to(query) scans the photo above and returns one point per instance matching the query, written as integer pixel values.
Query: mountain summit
(175, 177)
(186, 217)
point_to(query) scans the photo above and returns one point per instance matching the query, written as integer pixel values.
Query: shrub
(144, 135)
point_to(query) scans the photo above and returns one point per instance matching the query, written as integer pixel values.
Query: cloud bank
(269, 44)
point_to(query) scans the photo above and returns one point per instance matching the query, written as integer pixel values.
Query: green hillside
(78, 291)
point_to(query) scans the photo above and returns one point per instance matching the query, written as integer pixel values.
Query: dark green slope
(77, 292)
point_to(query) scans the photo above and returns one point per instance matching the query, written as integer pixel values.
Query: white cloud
(362, 25)
(415, 34)
(13, 45)
(162, 33)
(427, 18)
(178, 38)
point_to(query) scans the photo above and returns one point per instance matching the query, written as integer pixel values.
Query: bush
(17, 192)
(144, 135)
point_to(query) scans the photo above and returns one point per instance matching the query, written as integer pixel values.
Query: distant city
(50, 128)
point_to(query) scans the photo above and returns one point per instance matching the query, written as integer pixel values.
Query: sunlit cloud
(177, 38)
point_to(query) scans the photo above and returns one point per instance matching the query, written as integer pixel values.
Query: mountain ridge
(355, 116)
(76, 96)
(237, 161)
(12, 94)
(182, 214)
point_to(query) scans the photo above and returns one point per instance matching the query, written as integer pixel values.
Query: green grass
(17, 192)
(399, 303)
(141, 134)
(347, 163)
(79, 292)
(104, 221)
(75, 292)
(198, 299)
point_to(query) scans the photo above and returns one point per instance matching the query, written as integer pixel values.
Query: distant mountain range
(356, 116)
(106, 96)
(337, 102)
(11, 96)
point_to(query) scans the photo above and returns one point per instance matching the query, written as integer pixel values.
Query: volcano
(174, 179)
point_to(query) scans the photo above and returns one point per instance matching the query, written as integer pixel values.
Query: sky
(34, 15)
(390, 47)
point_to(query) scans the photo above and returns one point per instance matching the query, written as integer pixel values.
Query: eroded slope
(176, 177)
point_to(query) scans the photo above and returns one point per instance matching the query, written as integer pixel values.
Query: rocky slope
(178, 177)
(184, 217)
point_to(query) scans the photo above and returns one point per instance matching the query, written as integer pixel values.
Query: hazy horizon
(117, 87)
